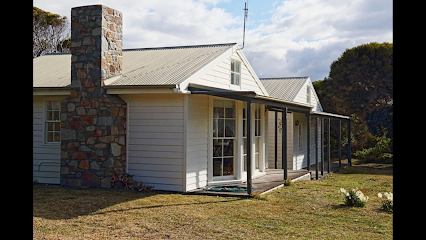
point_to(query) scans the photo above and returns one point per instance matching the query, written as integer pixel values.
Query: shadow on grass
(342, 206)
(363, 167)
(59, 203)
(163, 205)
(373, 169)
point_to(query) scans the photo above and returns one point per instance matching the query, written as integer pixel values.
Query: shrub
(380, 151)
(387, 204)
(354, 197)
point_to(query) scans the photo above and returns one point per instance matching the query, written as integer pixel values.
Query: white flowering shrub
(387, 204)
(354, 197)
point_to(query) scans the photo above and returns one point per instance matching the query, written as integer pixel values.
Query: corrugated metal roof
(141, 67)
(52, 70)
(283, 88)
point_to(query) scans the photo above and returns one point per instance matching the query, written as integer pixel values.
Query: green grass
(305, 210)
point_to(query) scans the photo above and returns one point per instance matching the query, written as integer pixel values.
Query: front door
(224, 139)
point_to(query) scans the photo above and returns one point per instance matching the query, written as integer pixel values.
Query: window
(224, 137)
(245, 136)
(257, 121)
(53, 122)
(299, 133)
(257, 133)
(308, 95)
(235, 72)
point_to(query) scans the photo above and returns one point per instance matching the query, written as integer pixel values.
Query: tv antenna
(245, 18)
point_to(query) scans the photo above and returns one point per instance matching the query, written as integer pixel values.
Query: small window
(308, 95)
(235, 72)
(53, 122)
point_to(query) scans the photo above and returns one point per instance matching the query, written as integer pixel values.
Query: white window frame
(257, 135)
(46, 122)
(244, 137)
(308, 94)
(299, 135)
(238, 73)
(235, 140)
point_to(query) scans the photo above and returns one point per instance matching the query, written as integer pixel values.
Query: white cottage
(181, 118)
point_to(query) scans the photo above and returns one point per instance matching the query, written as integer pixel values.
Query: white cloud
(304, 37)
(300, 38)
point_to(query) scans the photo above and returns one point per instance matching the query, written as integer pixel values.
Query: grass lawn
(306, 210)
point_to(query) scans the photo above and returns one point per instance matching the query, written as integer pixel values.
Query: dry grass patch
(306, 210)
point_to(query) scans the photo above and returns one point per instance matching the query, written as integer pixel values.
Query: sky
(284, 38)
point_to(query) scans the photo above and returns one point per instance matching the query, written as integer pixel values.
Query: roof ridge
(174, 47)
(64, 53)
(278, 78)
(160, 48)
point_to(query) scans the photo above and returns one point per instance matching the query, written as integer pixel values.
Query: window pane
(49, 115)
(245, 163)
(256, 160)
(56, 115)
(218, 108)
(229, 109)
(215, 128)
(56, 105)
(57, 136)
(49, 126)
(50, 136)
(244, 128)
(237, 79)
(245, 145)
(220, 124)
(218, 112)
(57, 126)
(259, 128)
(228, 168)
(217, 166)
(238, 66)
(49, 105)
(229, 128)
(232, 78)
(217, 147)
(228, 147)
(256, 147)
(257, 112)
(233, 65)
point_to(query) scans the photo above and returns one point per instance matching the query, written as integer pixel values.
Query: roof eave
(140, 86)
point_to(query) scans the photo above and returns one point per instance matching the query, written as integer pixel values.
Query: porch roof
(274, 104)
(330, 115)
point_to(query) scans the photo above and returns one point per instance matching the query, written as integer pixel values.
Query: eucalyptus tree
(51, 32)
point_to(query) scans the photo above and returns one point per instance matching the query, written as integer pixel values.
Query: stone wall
(93, 123)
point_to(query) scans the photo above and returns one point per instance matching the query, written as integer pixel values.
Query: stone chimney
(93, 123)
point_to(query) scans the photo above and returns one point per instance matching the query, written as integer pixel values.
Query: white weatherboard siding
(299, 155)
(301, 97)
(155, 139)
(197, 141)
(46, 156)
(271, 141)
(219, 76)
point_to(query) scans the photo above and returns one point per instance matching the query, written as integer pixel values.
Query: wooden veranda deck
(273, 179)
